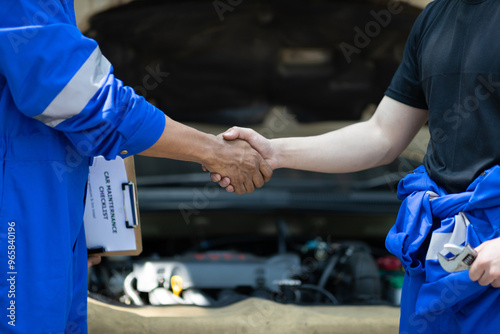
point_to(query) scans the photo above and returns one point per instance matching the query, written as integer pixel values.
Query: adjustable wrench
(463, 257)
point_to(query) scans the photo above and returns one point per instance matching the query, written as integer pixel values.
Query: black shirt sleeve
(406, 85)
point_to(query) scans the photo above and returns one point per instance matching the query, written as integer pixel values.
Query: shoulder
(429, 17)
(434, 10)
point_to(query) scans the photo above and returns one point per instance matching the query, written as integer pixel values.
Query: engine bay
(303, 239)
(224, 271)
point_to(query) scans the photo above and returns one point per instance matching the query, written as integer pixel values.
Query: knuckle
(481, 263)
(495, 273)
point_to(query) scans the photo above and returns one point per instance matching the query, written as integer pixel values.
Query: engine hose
(328, 271)
(130, 291)
(326, 274)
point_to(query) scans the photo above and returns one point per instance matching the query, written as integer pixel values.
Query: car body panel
(251, 316)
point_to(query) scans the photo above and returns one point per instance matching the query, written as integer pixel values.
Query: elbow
(387, 158)
(388, 151)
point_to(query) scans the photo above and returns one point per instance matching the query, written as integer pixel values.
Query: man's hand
(93, 260)
(237, 160)
(486, 267)
(242, 164)
(258, 142)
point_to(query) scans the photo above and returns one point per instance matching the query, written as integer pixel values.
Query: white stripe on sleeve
(79, 90)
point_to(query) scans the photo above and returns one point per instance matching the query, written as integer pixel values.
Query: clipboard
(111, 218)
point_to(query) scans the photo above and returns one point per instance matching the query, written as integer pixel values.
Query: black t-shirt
(451, 67)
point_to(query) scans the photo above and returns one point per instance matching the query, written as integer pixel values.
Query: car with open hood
(303, 254)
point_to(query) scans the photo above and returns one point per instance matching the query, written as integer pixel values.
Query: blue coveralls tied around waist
(435, 301)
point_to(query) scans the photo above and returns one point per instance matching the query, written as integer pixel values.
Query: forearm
(359, 146)
(353, 148)
(236, 160)
(181, 142)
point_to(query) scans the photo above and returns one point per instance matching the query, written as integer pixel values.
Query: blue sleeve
(59, 77)
(406, 86)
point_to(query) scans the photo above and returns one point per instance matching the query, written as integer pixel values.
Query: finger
(231, 134)
(496, 283)
(238, 133)
(266, 170)
(249, 186)
(485, 280)
(258, 179)
(475, 272)
(480, 247)
(215, 177)
(239, 188)
(204, 168)
(93, 260)
(225, 182)
(230, 189)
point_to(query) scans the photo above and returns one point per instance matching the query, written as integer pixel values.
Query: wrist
(278, 150)
(207, 156)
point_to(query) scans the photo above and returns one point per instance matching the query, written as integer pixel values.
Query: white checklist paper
(105, 217)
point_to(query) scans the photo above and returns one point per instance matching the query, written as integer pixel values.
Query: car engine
(319, 273)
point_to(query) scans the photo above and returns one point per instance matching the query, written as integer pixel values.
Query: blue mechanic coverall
(435, 301)
(59, 105)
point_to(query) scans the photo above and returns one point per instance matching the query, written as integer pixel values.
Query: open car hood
(284, 68)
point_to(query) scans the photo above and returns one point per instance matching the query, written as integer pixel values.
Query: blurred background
(85, 8)
(284, 68)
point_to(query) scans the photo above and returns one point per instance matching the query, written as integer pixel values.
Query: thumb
(479, 248)
(93, 260)
(231, 134)
(237, 133)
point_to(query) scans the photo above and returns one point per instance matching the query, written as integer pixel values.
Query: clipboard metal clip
(130, 202)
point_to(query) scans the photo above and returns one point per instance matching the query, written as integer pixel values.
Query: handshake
(246, 161)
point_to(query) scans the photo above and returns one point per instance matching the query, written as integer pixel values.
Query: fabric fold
(428, 219)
